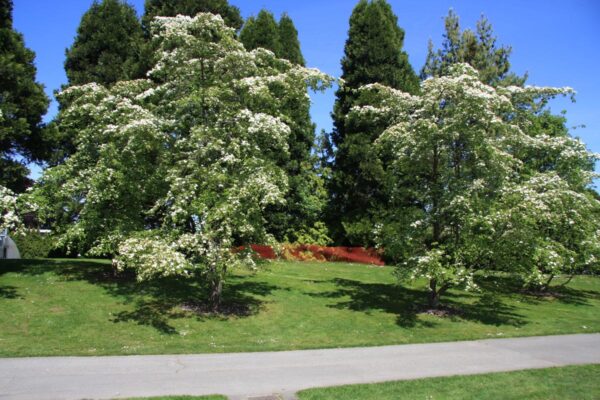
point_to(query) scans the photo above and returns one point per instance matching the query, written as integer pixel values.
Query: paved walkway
(244, 375)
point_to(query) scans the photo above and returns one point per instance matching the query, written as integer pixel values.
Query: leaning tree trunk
(546, 285)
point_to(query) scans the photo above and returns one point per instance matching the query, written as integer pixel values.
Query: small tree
(453, 152)
(173, 172)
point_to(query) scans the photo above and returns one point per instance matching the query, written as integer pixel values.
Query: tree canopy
(373, 53)
(477, 48)
(261, 31)
(172, 8)
(288, 41)
(22, 106)
(107, 47)
(306, 198)
(459, 197)
(172, 172)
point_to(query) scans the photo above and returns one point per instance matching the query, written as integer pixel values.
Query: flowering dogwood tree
(453, 156)
(9, 210)
(172, 172)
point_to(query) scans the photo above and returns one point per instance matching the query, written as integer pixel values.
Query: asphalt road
(244, 375)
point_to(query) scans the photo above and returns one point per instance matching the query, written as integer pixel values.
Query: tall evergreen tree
(170, 8)
(373, 53)
(22, 105)
(477, 48)
(288, 41)
(107, 46)
(261, 31)
(306, 197)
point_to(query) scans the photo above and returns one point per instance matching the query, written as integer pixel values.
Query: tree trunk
(434, 295)
(215, 294)
(546, 285)
(568, 280)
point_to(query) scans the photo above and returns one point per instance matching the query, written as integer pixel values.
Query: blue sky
(556, 42)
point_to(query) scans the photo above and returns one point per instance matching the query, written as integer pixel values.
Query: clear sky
(555, 41)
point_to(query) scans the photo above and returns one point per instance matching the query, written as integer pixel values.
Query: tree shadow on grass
(408, 304)
(155, 303)
(158, 302)
(354, 295)
(9, 292)
(512, 286)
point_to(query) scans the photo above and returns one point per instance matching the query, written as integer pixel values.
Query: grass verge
(564, 383)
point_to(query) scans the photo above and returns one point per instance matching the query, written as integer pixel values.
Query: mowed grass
(80, 307)
(565, 383)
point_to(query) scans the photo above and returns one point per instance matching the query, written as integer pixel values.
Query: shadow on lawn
(9, 292)
(158, 302)
(408, 303)
(155, 302)
(510, 286)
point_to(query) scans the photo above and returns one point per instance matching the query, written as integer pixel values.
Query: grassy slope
(576, 383)
(77, 307)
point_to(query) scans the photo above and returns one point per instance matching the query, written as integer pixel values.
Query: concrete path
(247, 375)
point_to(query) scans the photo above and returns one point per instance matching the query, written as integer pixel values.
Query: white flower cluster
(152, 257)
(9, 216)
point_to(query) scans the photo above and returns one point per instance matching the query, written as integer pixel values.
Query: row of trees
(180, 138)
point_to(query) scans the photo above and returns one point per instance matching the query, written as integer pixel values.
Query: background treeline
(337, 183)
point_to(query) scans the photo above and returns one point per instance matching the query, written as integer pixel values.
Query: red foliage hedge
(304, 252)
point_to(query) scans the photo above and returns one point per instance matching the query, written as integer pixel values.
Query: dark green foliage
(307, 195)
(261, 31)
(22, 105)
(373, 53)
(288, 41)
(477, 48)
(6, 8)
(170, 8)
(34, 245)
(281, 38)
(107, 46)
(13, 175)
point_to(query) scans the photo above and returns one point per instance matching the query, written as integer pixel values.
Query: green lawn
(78, 307)
(576, 383)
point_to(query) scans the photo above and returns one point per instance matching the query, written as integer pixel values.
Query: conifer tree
(261, 31)
(373, 54)
(288, 41)
(22, 105)
(306, 198)
(477, 48)
(107, 46)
